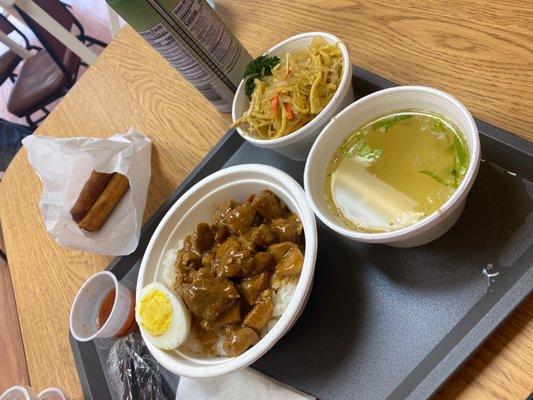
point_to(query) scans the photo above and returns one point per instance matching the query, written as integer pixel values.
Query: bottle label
(167, 45)
(209, 30)
(191, 36)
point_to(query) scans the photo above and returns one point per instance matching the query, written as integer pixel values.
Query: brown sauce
(227, 271)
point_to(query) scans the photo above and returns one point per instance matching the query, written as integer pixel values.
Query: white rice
(270, 324)
(283, 292)
(168, 274)
(282, 296)
(192, 345)
(219, 347)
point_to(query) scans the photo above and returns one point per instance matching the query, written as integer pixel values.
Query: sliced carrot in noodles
(274, 103)
(288, 110)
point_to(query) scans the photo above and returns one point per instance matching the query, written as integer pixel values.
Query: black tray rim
(409, 388)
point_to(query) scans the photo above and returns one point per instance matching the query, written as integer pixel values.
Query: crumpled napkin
(245, 384)
(65, 164)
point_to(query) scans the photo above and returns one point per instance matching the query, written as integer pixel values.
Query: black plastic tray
(381, 322)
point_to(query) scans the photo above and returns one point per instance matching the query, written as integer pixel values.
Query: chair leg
(90, 40)
(30, 122)
(3, 255)
(35, 124)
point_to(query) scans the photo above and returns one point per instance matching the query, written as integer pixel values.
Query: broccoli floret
(257, 69)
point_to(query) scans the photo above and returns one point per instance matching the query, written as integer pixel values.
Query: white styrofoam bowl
(297, 144)
(197, 205)
(365, 110)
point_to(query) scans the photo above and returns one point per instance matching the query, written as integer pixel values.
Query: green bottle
(194, 40)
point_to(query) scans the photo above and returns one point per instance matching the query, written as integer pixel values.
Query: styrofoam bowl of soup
(296, 144)
(394, 167)
(197, 205)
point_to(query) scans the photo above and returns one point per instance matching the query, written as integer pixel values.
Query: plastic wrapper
(133, 372)
(65, 164)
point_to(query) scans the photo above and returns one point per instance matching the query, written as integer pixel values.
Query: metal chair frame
(27, 44)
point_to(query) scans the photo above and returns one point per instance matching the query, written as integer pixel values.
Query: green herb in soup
(395, 170)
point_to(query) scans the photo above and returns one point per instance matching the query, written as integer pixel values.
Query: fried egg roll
(94, 186)
(106, 202)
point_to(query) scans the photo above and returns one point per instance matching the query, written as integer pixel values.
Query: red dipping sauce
(105, 311)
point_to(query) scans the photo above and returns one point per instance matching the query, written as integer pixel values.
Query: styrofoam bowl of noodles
(297, 144)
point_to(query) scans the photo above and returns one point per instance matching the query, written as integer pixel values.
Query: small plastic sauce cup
(52, 394)
(18, 393)
(94, 302)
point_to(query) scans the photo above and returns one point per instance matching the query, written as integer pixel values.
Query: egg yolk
(155, 311)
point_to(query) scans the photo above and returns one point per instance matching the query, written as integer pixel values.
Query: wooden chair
(9, 60)
(47, 75)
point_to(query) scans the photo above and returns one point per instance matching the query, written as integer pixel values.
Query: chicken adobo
(228, 272)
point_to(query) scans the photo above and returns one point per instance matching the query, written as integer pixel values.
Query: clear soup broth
(395, 170)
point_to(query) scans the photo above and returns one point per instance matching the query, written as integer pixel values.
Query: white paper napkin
(65, 164)
(246, 384)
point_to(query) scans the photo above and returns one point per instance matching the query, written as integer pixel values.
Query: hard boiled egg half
(162, 316)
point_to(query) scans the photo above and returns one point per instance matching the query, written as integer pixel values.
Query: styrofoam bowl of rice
(197, 205)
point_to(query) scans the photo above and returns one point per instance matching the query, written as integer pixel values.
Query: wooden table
(480, 52)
